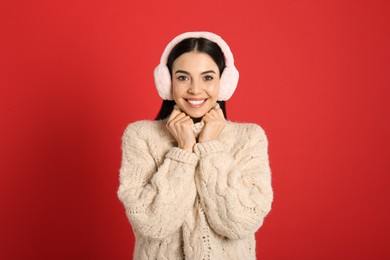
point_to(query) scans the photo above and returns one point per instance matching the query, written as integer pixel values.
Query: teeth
(195, 102)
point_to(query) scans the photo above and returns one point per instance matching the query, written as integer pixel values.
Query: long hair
(187, 45)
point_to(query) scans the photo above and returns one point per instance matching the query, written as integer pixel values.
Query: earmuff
(229, 77)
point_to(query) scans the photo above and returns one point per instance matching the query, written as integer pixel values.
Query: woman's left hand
(214, 122)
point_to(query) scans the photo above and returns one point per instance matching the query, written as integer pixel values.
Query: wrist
(187, 147)
(209, 147)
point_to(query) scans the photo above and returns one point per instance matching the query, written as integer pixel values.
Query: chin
(196, 112)
(196, 115)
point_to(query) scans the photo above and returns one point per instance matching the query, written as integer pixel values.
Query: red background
(314, 74)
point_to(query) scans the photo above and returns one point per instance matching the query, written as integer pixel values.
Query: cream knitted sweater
(202, 205)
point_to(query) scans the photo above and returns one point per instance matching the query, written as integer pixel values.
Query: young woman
(194, 185)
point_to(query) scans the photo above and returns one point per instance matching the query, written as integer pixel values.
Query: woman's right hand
(180, 126)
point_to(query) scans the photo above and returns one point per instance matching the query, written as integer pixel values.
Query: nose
(195, 87)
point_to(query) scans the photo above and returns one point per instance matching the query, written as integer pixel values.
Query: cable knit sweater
(202, 205)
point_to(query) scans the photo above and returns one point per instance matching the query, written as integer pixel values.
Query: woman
(194, 185)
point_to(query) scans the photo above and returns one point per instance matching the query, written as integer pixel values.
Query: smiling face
(195, 83)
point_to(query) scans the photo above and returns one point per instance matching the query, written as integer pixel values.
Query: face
(195, 83)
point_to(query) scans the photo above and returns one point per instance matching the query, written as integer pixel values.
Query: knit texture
(202, 205)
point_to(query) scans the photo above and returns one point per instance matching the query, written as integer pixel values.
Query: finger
(176, 116)
(213, 114)
(214, 108)
(174, 113)
(173, 123)
(184, 121)
(217, 112)
(177, 121)
(220, 113)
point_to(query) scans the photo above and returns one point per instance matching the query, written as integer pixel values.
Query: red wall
(314, 74)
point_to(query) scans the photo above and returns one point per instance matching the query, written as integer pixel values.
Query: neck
(196, 120)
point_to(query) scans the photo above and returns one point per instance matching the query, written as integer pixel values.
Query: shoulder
(144, 127)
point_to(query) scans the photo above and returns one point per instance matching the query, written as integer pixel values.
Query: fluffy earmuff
(229, 77)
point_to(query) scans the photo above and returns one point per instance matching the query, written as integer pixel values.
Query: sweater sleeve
(235, 189)
(156, 199)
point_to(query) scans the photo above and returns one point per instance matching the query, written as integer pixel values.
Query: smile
(196, 102)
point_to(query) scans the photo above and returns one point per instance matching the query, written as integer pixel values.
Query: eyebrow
(185, 72)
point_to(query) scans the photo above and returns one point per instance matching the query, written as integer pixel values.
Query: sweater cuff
(206, 148)
(181, 155)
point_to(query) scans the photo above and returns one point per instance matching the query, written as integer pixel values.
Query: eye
(182, 78)
(208, 78)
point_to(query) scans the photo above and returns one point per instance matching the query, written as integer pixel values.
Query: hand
(214, 124)
(180, 126)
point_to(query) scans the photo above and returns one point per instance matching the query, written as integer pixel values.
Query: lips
(196, 102)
